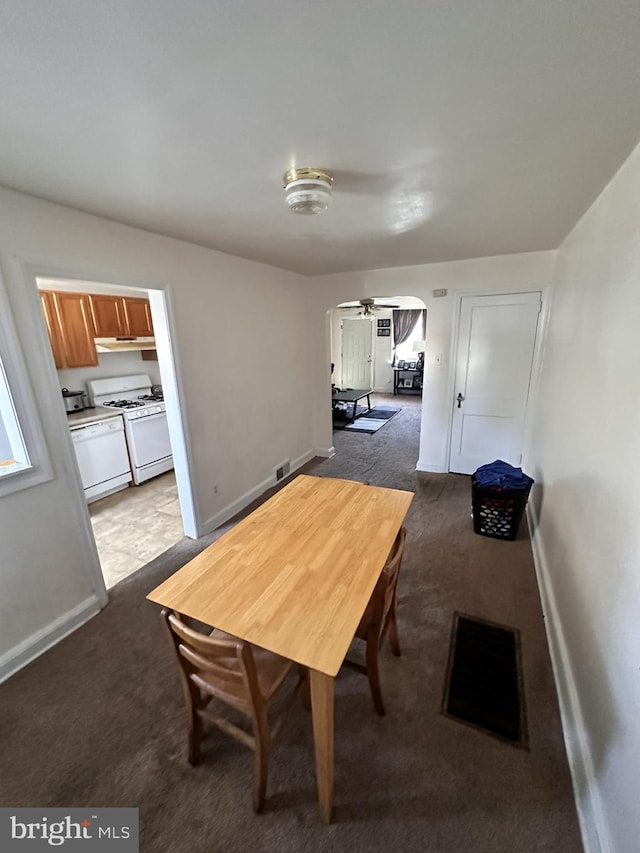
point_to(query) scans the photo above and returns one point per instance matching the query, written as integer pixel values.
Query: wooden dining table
(294, 577)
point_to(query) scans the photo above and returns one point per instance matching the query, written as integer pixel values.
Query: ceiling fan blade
(370, 305)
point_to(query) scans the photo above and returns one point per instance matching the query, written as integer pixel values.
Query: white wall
(109, 364)
(241, 419)
(586, 447)
(506, 273)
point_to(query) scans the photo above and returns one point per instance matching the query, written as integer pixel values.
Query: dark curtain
(404, 321)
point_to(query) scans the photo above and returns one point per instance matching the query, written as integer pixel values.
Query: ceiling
(454, 130)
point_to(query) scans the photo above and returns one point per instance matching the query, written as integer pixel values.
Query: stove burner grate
(125, 404)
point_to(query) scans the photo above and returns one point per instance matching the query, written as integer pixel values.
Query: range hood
(124, 344)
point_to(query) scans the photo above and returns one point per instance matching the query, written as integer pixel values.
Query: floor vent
(283, 469)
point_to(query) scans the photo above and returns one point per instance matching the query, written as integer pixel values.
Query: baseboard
(33, 646)
(431, 469)
(326, 452)
(244, 500)
(306, 457)
(593, 824)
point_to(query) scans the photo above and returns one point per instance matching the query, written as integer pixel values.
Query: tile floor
(133, 526)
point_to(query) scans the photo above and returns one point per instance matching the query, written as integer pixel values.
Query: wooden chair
(218, 665)
(379, 618)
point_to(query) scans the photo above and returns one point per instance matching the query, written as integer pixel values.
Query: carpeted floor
(99, 720)
(369, 421)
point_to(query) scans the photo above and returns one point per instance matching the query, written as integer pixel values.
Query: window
(405, 350)
(23, 456)
(13, 450)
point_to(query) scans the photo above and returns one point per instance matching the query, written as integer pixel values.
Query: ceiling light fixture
(308, 190)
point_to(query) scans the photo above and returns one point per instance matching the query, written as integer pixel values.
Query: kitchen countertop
(96, 413)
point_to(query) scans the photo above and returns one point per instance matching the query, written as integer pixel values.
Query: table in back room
(352, 396)
(397, 379)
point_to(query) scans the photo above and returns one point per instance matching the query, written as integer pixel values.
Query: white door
(357, 359)
(496, 339)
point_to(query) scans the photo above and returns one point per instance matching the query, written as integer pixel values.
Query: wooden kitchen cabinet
(108, 315)
(55, 337)
(138, 316)
(120, 316)
(70, 324)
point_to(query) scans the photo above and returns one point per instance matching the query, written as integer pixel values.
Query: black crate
(497, 512)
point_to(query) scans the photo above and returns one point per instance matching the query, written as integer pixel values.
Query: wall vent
(282, 469)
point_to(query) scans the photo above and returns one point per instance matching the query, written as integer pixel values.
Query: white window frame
(19, 412)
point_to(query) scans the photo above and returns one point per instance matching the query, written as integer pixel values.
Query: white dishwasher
(101, 451)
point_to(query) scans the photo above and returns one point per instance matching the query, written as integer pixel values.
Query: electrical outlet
(439, 292)
(437, 360)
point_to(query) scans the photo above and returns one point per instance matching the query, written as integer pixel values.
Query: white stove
(145, 421)
(141, 407)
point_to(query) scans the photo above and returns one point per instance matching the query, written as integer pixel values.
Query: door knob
(459, 398)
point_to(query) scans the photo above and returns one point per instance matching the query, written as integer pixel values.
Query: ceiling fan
(369, 306)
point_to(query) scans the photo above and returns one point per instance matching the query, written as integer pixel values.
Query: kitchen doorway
(111, 337)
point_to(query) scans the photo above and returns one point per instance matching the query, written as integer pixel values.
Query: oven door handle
(153, 417)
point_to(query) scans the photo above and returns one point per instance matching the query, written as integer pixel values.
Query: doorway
(494, 359)
(134, 524)
(371, 345)
(382, 372)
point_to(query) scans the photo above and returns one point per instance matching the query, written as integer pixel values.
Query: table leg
(368, 403)
(322, 707)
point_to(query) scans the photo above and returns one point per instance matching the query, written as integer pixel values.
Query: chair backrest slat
(225, 668)
(210, 668)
